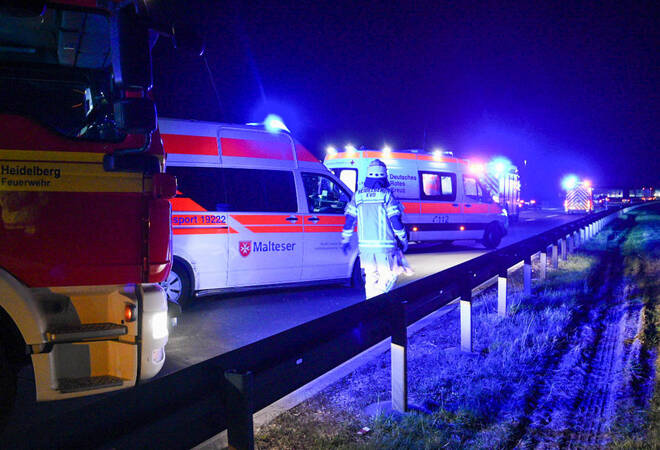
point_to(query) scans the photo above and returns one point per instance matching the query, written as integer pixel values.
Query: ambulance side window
(440, 186)
(203, 185)
(324, 196)
(260, 190)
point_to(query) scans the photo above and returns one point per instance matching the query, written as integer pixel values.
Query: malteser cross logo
(245, 247)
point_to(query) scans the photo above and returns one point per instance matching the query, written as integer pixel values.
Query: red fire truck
(84, 212)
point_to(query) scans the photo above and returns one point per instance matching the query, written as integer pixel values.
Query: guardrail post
(569, 243)
(501, 292)
(399, 356)
(564, 256)
(576, 239)
(583, 235)
(527, 275)
(239, 406)
(555, 256)
(466, 316)
(543, 262)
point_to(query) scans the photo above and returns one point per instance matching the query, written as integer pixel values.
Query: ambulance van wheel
(177, 286)
(492, 236)
(357, 277)
(7, 387)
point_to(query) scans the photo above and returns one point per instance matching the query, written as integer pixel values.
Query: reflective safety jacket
(378, 215)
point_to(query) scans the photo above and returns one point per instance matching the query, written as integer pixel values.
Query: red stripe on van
(256, 149)
(190, 145)
(325, 220)
(185, 204)
(476, 208)
(410, 207)
(276, 229)
(440, 208)
(199, 230)
(265, 219)
(302, 154)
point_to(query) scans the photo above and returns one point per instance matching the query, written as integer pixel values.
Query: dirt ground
(572, 366)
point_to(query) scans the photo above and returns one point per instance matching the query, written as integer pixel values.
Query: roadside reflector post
(555, 256)
(543, 263)
(564, 256)
(527, 275)
(399, 356)
(239, 407)
(466, 315)
(501, 292)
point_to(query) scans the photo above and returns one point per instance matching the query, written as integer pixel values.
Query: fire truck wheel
(177, 286)
(357, 277)
(492, 236)
(7, 387)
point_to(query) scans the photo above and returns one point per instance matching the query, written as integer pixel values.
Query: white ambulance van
(442, 199)
(253, 209)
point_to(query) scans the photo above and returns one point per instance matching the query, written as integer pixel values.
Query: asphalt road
(216, 324)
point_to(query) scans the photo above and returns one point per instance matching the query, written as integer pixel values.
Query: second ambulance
(254, 208)
(442, 199)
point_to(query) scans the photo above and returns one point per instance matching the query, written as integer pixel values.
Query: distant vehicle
(502, 180)
(442, 199)
(579, 198)
(254, 208)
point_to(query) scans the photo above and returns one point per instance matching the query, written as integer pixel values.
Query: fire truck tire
(492, 236)
(178, 285)
(357, 277)
(7, 387)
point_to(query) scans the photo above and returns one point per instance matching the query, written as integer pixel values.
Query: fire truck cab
(254, 208)
(442, 199)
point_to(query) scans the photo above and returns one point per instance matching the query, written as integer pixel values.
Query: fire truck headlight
(159, 325)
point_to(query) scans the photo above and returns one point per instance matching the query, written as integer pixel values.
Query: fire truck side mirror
(131, 50)
(135, 115)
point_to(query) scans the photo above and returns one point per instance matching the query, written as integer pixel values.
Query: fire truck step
(68, 385)
(86, 331)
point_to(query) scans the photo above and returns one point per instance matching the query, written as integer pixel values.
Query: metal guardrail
(190, 406)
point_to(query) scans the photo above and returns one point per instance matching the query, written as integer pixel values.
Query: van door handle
(313, 219)
(455, 205)
(292, 219)
(467, 205)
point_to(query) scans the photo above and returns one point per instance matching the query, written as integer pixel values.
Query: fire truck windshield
(55, 68)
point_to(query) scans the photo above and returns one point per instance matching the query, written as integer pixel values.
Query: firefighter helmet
(377, 169)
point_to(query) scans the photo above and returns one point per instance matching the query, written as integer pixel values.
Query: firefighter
(381, 234)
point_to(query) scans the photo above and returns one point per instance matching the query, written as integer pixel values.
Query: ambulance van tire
(179, 284)
(357, 277)
(7, 387)
(492, 236)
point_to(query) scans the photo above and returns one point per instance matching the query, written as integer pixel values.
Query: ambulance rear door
(440, 210)
(326, 201)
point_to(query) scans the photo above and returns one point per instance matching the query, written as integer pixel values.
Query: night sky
(567, 87)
